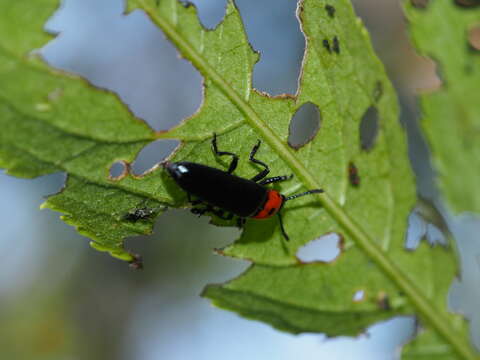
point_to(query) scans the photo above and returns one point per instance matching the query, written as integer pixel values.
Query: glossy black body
(242, 197)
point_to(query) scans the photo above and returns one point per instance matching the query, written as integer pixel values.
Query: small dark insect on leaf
(137, 263)
(139, 214)
(326, 45)
(336, 45)
(330, 10)
(353, 175)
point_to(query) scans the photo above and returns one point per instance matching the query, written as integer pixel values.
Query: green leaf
(450, 119)
(301, 297)
(54, 122)
(344, 80)
(450, 114)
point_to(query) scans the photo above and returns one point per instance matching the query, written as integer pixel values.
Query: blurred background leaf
(448, 32)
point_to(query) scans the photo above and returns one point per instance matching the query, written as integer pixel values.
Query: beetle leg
(275, 179)
(221, 214)
(284, 233)
(234, 163)
(210, 209)
(193, 202)
(265, 171)
(199, 211)
(241, 222)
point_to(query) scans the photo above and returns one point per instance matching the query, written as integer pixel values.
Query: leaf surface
(52, 121)
(451, 114)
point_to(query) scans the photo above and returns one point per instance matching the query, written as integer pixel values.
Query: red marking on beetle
(272, 205)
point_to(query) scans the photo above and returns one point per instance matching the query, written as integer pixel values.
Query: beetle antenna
(314, 191)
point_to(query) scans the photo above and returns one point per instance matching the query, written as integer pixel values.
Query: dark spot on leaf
(468, 68)
(323, 249)
(151, 155)
(353, 176)
(336, 45)
(421, 4)
(330, 10)
(378, 91)
(369, 128)
(118, 170)
(467, 3)
(326, 45)
(383, 302)
(474, 38)
(304, 125)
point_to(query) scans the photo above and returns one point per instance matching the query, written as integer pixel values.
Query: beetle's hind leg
(266, 169)
(234, 163)
(199, 211)
(210, 209)
(282, 228)
(194, 202)
(241, 222)
(222, 215)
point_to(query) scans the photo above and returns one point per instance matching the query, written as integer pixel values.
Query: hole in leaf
(435, 236)
(369, 128)
(467, 3)
(415, 232)
(118, 170)
(304, 125)
(152, 154)
(474, 38)
(421, 4)
(279, 66)
(210, 13)
(359, 296)
(162, 91)
(420, 228)
(324, 249)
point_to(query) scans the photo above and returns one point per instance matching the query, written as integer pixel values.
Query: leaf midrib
(367, 244)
